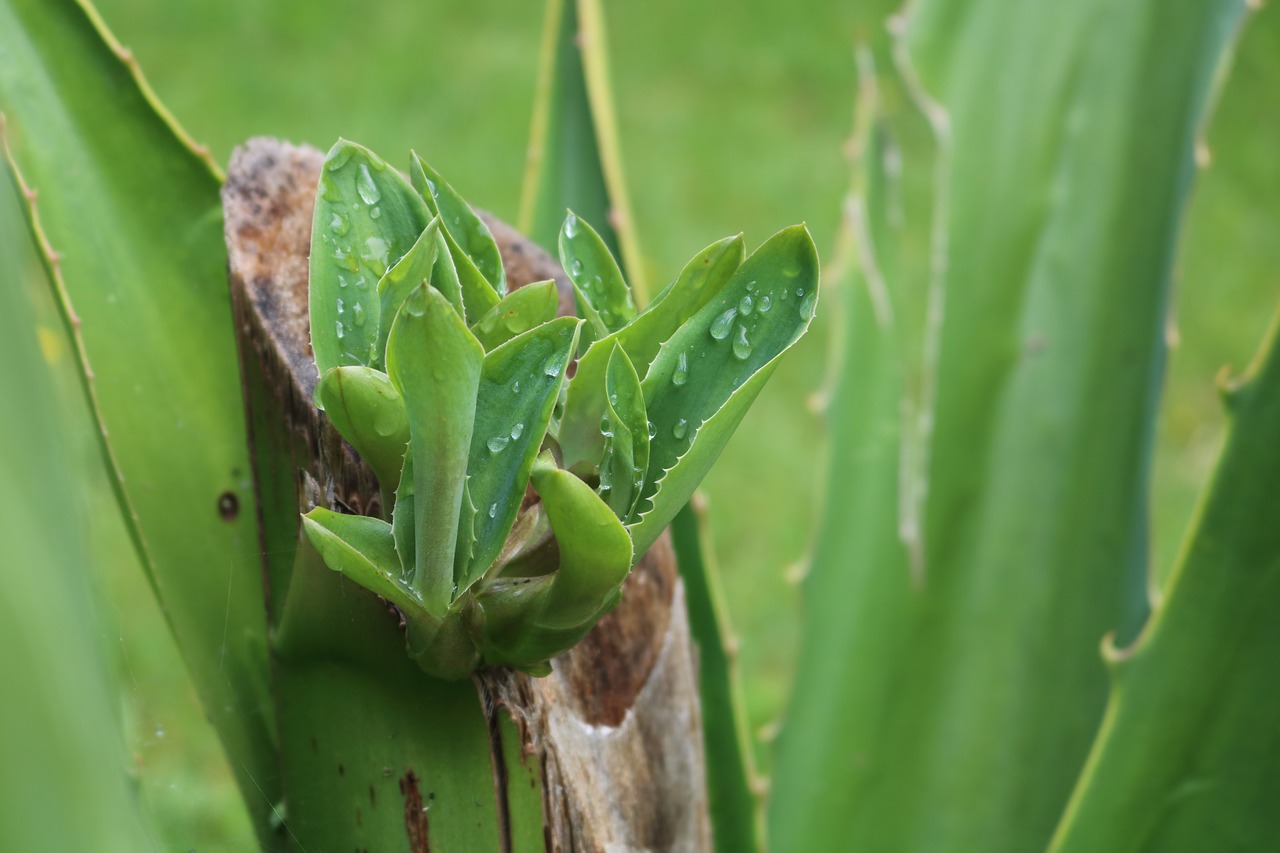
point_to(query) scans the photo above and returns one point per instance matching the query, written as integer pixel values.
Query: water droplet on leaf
(571, 226)
(681, 427)
(765, 304)
(681, 373)
(746, 306)
(498, 443)
(741, 346)
(517, 431)
(722, 325)
(366, 187)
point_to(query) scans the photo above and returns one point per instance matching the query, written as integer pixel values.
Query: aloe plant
(1006, 261)
(450, 386)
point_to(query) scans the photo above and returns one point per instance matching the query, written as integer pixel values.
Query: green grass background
(733, 117)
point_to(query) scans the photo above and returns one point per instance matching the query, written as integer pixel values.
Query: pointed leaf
(435, 364)
(603, 296)
(367, 410)
(404, 517)
(518, 390)
(406, 274)
(519, 311)
(626, 455)
(478, 295)
(467, 229)
(706, 376)
(698, 282)
(595, 550)
(366, 217)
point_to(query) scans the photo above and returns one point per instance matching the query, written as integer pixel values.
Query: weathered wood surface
(616, 728)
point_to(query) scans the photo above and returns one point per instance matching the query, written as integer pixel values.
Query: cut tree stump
(613, 737)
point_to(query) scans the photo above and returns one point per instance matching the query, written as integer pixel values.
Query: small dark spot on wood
(228, 506)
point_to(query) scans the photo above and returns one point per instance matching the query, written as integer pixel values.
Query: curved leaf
(518, 389)
(698, 282)
(407, 273)
(467, 229)
(366, 217)
(367, 410)
(706, 376)
(435, 364)
(626, 453)
(603, 296)
(519, 311)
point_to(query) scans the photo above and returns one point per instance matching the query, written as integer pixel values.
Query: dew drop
(366, 187)
(376, 252)
(653, 430)
(681, 373)
(746, 306)
(341, 331)
(375, 212)
(159, 731)
(498, 443)
(493, 510)
(342, 282)
(517, 431)
(341, 306)
(432, 188)
(784, 295)
(553, 366)
(346, 260)
(577, 266)
(515, 387)
(681, 427)
(357, 314)
(722, 325)
(338, 224)
(340, 159)
(765, 304)
(741, 346)
(809, 303)
(571, 226)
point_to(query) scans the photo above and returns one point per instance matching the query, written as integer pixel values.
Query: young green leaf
(398, 282)
(478, 295)
(444, 275)
(367, 410)
(706, 376)
(518, 389)
(403, 519)
(366, 217)
(435, 363)
(519, 311)
(362, 549)
(467, 229)
(626, 430)
(603, 295)
(698, 282)
(595, 550)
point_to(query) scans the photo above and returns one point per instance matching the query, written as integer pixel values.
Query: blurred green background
(733, 117)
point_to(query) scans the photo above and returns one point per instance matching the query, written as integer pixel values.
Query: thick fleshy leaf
(707, 375)
(603, 296)
(478, 295)
(366, 217)
(519, 311)
(1184, 760)
(518, 389)
(406, 274)
(992, 416)
(700, 280)
(595, 550)
(404, 517)
(435, 363)
(467, 229)
(367, 410)
(626, 453)
(127, 217)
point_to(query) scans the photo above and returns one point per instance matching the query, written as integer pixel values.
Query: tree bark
(610, 743)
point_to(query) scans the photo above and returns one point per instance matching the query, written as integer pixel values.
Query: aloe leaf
(404, 518)
(142, 288)
(707, 375)
(435, 364)
(58, 698)
(467, 229)
(626, 456)
(698, 282)
(518, 388)
(603, 296)
(595, 550)
(406, 274)
(992, 418)
(1181, 762)
(478, 294)
(574, 158)
(737, 812)
(366, 218)
(367, 410)
(519, 311)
